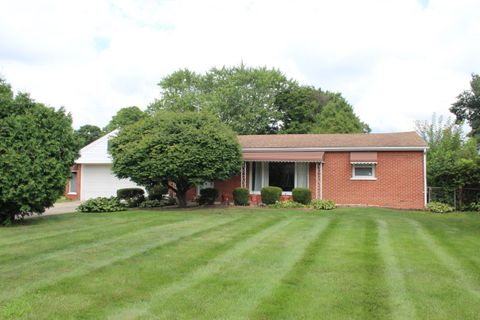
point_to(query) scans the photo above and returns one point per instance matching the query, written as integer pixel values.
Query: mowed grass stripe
(80, 238)
(83, 224)
(375, 295)
(468, 281)
(214, 272)
(159, 267)
(400, 304)
(335, 275)
(460, 240)
(434, 290)
(40, 227)
(279, 301)
(93, 244)
(75, 264)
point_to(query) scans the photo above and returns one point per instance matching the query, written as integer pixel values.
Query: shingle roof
(351, 140)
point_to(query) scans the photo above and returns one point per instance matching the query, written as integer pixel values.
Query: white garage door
(97, 180)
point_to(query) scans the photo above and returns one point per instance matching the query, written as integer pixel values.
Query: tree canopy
(123, 117)
(467, 106)
(86, 134)
(253, 100)
(186, 148)
(37, 148)
(452, 159)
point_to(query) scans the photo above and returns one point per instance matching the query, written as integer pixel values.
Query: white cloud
(395, 61)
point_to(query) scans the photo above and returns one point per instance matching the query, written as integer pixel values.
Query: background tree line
(248, 100)
(453, 161)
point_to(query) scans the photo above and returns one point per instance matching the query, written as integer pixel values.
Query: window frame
(70, 192)
(364, 165)
(266, 173)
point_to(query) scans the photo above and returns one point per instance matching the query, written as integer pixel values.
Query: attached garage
(99, 181)
(92, 173)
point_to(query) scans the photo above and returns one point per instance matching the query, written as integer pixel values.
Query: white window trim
(70, 184)
(265, 172)
(370, 178)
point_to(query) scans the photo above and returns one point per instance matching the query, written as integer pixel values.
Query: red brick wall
(75, 168)
(399, 181)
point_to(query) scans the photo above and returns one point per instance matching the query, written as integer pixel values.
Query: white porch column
(243, 175)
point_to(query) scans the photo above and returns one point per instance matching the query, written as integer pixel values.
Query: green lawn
(350, 263)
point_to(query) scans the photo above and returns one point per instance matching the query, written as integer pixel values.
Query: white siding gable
(97, 151)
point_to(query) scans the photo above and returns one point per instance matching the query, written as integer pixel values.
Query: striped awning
(304, 156)
(363, 157)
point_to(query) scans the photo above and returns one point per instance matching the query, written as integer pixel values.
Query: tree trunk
(182, 198)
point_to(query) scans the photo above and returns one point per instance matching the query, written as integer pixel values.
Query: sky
(394, 61)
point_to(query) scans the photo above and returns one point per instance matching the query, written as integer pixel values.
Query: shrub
(241, 196)
(152, 203)
(302, 195)
(288, 204)
(473, 206)
(270, 195)
(439, 207)
(132, 196)
(208, 196)
(169, 201)
(157, 192)
(101, 204)
(321, 204)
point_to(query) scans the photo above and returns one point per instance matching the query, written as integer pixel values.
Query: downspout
(425, 178)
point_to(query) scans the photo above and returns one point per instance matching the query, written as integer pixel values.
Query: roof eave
(324, 149)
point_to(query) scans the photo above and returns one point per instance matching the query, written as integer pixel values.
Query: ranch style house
(375, 169)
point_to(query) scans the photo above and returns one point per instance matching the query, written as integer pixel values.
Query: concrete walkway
(63, 207)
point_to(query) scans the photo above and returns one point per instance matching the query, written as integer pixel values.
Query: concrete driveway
(63, 207)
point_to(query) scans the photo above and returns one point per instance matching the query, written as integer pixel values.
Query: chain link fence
(460, 198)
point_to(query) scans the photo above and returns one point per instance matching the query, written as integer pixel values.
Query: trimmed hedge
(208, 196)
(101, 204)
(132, 196)
(241, 196)
(151, 203)
(270, 195)
(157, 192)
(302, 195)
(320, 204)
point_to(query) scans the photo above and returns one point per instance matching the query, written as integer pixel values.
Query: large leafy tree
(86, 134)
(299, 106)
(37, 148)
(306, 109)
(252, 100)
(467, 106)
(185, 149)
(338, 117)
(242, 97)
(125, 116)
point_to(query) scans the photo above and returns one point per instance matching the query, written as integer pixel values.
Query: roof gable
(97, 151)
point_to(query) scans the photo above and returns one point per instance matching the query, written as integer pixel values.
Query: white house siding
(98, 181)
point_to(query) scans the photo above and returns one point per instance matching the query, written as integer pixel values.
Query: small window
(363, 172)
(72, 188)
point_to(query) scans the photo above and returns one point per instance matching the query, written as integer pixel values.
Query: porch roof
(305, 156)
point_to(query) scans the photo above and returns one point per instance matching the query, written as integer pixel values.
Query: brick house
(382, 169)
